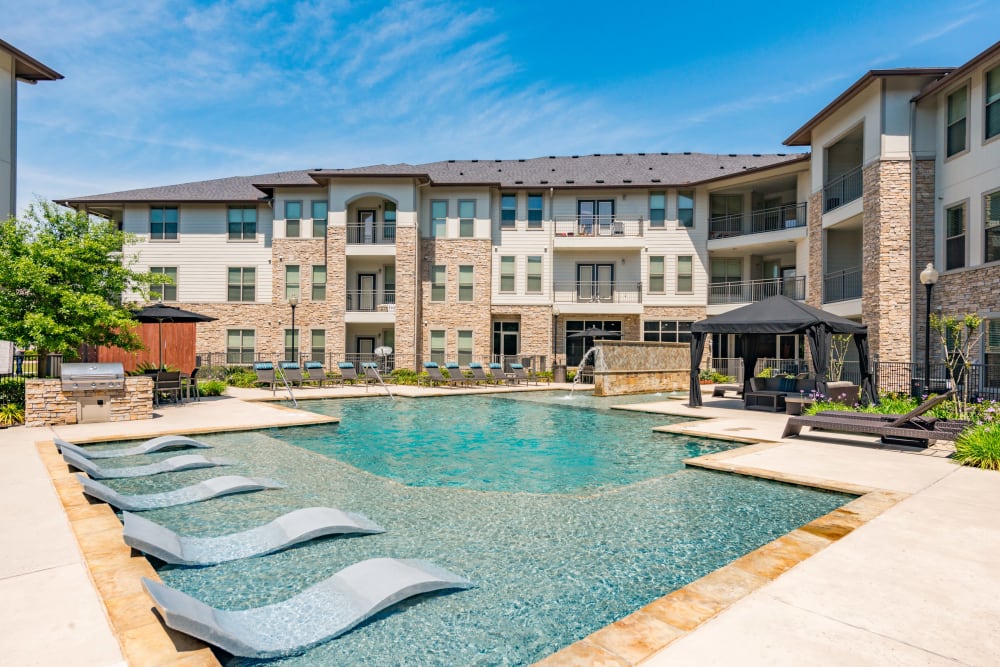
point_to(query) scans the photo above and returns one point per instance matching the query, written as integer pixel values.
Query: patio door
(364, 346)
(595, 216)
(366, 292)
(366, 218)
(506, 341)
(595, 282)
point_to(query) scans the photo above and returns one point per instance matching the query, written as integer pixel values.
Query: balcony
(749, 291)
(843, 190)
(371, 306)
(593, 297)
(787, 216)
(596, 232)
(371, 233)
(842, 285)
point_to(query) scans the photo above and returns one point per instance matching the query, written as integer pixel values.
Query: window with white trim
(439, 276)
(685, 274)
(533, 274)
(464, 347)
(437, 346)
(241, 283)
(319, 212)
(957, 131)
(466, 218)
(439, 218)
(293, 219)
(508, 211)
(992, 101)
(666, 331)
(507, 267)
(165, 291)
(292, 282)
(319, 282)
(242, 222)
(657, 209)
(954, 237)
(466, 278)
(657, 283)
(163, 223)
(991, 232)
(239, 346)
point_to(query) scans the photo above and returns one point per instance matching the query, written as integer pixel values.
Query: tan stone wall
(975, 290)
(627, 355)
(536, 328)
(336, 290)
(923, 239)
(691, 313)
(46, 404)
(451, 314)
(887, 296)
(814, 237)
(407, 297)
(616, 383)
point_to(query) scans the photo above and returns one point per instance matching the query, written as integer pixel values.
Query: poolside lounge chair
(316, 372)
(347, 372)
(173, 464)
(288, 529)
(319, 613)
(499, 376)
(154, 445)
(455, 374)
(719, 391)
(292, 372)
(909, 429)
(434, 375)
(371, 373)
(479, 375)
(265, 374)
(210, 488)
(522, 375)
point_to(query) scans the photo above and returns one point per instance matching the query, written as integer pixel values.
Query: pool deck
(915, 582)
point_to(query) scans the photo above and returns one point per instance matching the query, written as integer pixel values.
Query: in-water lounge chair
(319, 613)
(155, 445)
(291, 528)
(210, 488)
(173, 464)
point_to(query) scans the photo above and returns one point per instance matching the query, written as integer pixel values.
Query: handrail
(776, 218)
(377, 232)
(284, 381)
(748, 291)
(842, 285)
(602, 291)
(597, 225)
(842, 190)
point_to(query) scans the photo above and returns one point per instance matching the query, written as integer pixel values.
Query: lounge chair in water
(317, 614)
(148, 447)
(292, 528)
(210, 488)
(173, 464)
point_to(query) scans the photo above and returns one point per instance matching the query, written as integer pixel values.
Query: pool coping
(116, 570)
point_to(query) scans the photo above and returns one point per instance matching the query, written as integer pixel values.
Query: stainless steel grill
(90, 377)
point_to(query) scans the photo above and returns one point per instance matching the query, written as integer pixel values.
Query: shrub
(545, 376)
(212, 388)
(570, 376)
(143, 366)
(12, 391)
(979, 446)
(237, 376)
(11, 415)
(712, 375)
(404, 376)
(766, 373)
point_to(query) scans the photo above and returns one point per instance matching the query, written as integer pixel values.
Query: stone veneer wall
(973, 290)
(536, 328)
(46, 404)
(336, 291)
(923, 241)
(407, 296)
(636, 366)
(682, 313)
(814, 237)
(887, 293)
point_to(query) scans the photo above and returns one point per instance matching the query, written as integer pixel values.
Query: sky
(159, 92)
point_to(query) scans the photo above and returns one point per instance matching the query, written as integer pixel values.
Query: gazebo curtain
(869, 392)
(697, 350)
(820, 338)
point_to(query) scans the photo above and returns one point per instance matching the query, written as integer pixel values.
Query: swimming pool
(552, 563)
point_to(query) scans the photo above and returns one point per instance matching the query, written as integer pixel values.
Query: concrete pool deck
(913, 585)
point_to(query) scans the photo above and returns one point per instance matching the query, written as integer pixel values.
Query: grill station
(92, 386)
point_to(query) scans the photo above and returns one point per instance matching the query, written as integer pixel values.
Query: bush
(11, 415)
(979, 446)
(12, 391)
(544, 376)
(237, 376)
(570, 376)
(403, 376)
(212, 388)
(712, 375)
(766, 373)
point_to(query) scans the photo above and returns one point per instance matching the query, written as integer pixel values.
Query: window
(685, 208)
(534, 275)
(291, 282)
(667, 331)
(239, 346)
(955, 237)
(991, 209)
(508, 211)
(439, 218)
(465, 282)
(242, 223)
(165, 291)
(389, 225)
(319, 219)
(657, 284)
(993, 102)
(684, 274)
(319, 282)
(293, 219)
(242, 284)
(991, 348)
(389, 283)
(163, 223)
(507, 274)
(466, 218)
(439, 274)
(958, 103)
(437, 346)
(317, 345)
(726, 270)
(534, 211)
(292, 343)
(657, 209)
(464, 348)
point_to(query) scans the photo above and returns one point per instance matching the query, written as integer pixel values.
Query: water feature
(597, 359)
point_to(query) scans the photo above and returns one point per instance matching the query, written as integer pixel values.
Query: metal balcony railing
(371, 301)
(749, 291)
(843, 190)
(597, 225)
(596, 292)
(786, 216)
(371, 233)
(842, 285)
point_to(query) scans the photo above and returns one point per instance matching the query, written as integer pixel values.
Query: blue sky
(165, 92)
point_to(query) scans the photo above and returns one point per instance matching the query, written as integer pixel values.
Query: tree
(839, 344)
(959, 340)
(62, 276)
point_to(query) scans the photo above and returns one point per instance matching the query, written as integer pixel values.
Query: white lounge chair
(210, 488)
(155, 445)
(173, 464)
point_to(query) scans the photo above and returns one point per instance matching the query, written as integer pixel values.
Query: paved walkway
(917, 585)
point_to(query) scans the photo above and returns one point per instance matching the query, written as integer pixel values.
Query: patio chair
(167, 386)
(455, 374)
(190, 383)
(372, 375)
(586, 374)
(265, 373)
(347, 372)
(499, 376)
(434, 375)
(292, 372)
(316, 372)
(479, 375)
(522, 375)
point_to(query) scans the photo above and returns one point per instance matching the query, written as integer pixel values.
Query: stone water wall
(636, 366)
(46, 404)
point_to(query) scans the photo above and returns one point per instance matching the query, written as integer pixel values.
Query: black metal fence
(386, 363)
(30, 365)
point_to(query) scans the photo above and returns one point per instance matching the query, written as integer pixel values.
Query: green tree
(62, 276)
(959, 340)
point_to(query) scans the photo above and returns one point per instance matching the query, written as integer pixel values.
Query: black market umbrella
(160, 313)
(595, 332)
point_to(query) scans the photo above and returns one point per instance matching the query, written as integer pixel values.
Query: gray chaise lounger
(148, 447)
(291, 528)
(210, 488)
(173, 464)
(317, 614)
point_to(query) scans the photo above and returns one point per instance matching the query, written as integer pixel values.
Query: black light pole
(928, 277)
(294, 301)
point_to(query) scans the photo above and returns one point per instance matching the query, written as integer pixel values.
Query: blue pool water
(558, 547)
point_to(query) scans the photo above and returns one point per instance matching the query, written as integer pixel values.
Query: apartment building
(465, 259)
(15, 66)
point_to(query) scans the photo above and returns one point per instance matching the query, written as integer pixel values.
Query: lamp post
(555, 334)
(928, 277)
(294, 301)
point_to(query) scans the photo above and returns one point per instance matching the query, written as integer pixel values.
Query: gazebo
(781, 315)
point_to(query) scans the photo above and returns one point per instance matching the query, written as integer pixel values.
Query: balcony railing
(596, 225)
(842, 190)
(787, 216)
(596, 292)
(842, 285)
(371, 233)
(371, 301)
(749, 291)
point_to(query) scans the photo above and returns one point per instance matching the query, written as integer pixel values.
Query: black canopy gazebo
(781, 315)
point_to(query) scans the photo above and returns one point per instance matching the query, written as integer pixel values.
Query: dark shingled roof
(592, 171)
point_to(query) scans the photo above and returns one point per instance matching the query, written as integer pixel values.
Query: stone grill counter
(47, 403)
